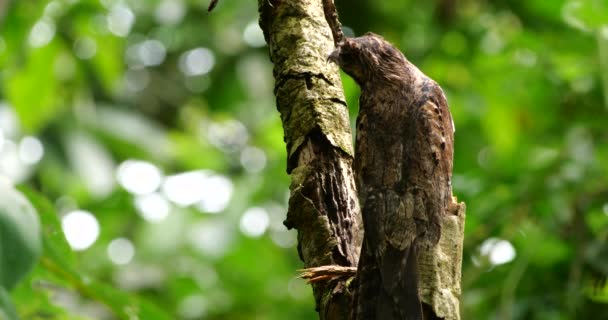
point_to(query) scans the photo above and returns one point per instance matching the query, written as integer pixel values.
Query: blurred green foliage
(111, 108)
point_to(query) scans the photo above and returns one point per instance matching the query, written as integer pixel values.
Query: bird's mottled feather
(403, 167)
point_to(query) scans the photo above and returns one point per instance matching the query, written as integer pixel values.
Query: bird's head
(367, 58)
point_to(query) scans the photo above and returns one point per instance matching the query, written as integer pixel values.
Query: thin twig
(212, 5)
(331, 15)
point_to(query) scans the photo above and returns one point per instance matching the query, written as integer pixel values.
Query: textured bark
(440, 268)
(323, 206)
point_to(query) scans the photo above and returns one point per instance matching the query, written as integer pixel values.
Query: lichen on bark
(308, 89)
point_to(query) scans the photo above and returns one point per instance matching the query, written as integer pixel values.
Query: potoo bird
(403, 167)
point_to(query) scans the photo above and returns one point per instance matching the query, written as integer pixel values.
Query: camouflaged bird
(403, 167)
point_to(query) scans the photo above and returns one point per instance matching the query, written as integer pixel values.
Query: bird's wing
(430, 178)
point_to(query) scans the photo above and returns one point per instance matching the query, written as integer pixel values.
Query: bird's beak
(334, 56)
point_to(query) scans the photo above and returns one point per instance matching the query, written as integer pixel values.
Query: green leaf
(20, 243)
(7, 311)
(586, 14)
(33, 89)
(33, 299)
(124, 305)
(58, 265)
(598, 293)
(107, 62)
(501, 128)
(56, 247)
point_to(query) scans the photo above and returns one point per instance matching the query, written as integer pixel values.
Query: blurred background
(150, 126)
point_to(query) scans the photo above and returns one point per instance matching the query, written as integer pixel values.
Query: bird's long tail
(399, 273)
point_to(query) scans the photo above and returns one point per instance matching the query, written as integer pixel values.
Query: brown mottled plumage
(403, 167)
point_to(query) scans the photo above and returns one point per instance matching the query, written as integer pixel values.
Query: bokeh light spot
(53, 9)
(211, 238)
(9, 123)
(253, 159)
(525, 57)
(230, 135)
(253, 35)
(85, 48)
(197, 84)
(170, 12)
(254, 222)
(254, 73)
(582, 84)
(11, 165)
(185, 189)
(196, 61)
(152, 207)
(139, 177)
(136, 79)
(120, 20)
(193, 307)
(121, 251)
(216, 193)
(151, 52)
(92, 162)
(81, 229)
(229, 40)
(492, 43)
(30, 150)
(42, 33)
(498, 251)
(211, 192)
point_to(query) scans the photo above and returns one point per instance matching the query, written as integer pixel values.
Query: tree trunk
(323, 204)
